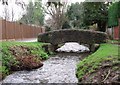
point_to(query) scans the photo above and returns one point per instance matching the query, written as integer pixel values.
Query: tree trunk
(119, 39)
(102, 26)
(119, 29)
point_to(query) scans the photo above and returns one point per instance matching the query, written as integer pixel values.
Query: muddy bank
(108, 72)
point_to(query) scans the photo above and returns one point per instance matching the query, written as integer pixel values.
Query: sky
(18, 11)
(12, 6)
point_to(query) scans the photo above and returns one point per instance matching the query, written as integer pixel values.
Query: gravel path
(28, 40)
(58, 69)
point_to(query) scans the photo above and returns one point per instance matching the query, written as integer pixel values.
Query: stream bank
(59, 68)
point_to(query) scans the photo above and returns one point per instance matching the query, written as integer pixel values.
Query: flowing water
(60, 68)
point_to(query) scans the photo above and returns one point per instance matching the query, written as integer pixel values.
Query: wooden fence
(14, 30)
(116, 33)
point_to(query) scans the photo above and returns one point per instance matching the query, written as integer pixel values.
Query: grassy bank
(21, 48)
(106, 53)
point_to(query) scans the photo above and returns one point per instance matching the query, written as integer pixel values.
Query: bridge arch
(80, 36)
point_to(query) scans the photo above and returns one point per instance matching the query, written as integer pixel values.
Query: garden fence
(14, 30)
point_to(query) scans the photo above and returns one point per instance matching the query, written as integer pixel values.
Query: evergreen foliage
(34, 14)
(113, 14)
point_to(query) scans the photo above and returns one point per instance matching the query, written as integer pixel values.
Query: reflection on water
(57, 69)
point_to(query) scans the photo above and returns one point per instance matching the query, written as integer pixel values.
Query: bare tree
(13, 15)
(57, 12)
(6, 11)
(4, 2)
(6, 14)
(9, 14)
(21, 3)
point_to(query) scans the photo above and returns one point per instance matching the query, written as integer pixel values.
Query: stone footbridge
(80, 36)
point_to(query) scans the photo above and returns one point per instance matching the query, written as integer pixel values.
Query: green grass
(39, 51)
(106, 52)
(7, 58)
(11, 43)
(113, 41)
(38, 46)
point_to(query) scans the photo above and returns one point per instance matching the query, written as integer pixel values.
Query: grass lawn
(106, 52)
(113, 41)
(7, 58)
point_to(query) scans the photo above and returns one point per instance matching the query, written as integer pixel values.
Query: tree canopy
(74, 13)
(95, 12)
(113, 14)
(34, 14)
(85, 14)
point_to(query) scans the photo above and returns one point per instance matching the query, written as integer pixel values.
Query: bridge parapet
(80, 36)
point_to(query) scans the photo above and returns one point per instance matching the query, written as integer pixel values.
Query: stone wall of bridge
(80, 36)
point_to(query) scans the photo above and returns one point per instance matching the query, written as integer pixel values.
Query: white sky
(18, 10)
